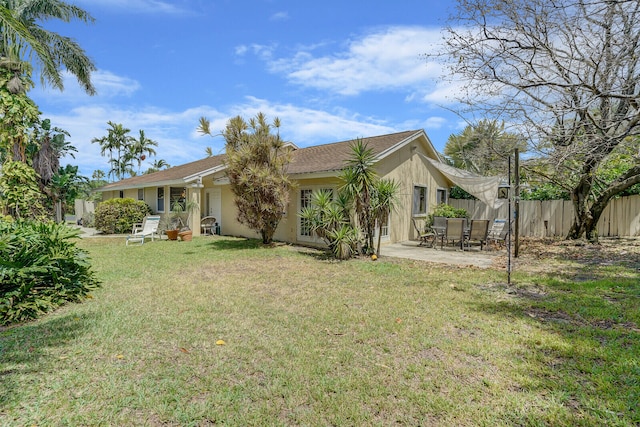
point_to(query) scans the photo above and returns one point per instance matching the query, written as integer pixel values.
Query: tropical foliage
(40, 269)
(33, 182)
(256, 160)
(22, 36)
(123, 150)
(346, 221)
(483, 148)
(21, 197)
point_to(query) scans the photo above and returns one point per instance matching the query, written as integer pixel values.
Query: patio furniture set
(462, 232)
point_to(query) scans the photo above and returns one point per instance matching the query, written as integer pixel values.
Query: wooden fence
(553, 218)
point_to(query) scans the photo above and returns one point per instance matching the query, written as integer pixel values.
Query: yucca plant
(343, 241)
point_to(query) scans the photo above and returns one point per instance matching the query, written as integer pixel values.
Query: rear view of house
(403, 157)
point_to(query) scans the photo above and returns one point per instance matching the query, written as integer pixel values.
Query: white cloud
(279, 16)
(178, 140)
(390, 59)
(435, 122)
(108, 86)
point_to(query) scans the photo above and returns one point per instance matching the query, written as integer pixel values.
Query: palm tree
(157, 165)
(20, 27)
(52, 146)
(117, 140)
(140, 146)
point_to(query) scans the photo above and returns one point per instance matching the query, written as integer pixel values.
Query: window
(178, 195)
(305, 202)
(304, 228)
(121, 194)
(140, 193)
(419, 200)
(441, 196)
(385, 229)
(160, 199)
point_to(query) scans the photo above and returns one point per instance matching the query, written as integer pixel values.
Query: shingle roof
(332, 157)
(176, 173)
(315, 159)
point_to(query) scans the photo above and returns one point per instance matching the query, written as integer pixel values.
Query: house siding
(402, 161)
(407, 167)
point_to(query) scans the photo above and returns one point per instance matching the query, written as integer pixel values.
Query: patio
(448, 255)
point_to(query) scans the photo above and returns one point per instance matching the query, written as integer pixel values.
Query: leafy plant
(40, 269)
(446, 211)
(329, 220)
(21, 196)
(119, 215)
(179, 218)
(256, 167)
(343, 241)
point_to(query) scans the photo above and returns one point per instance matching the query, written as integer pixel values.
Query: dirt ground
(576, 257)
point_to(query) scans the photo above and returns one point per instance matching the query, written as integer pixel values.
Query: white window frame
(160, 208)
(311, 238)
(386, 230)
(141, 194)
(441, 191)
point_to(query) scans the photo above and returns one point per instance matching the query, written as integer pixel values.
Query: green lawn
(312, 341)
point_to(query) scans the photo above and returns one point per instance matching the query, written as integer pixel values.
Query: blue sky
(330, 70)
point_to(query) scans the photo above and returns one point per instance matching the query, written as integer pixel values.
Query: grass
(311, 341)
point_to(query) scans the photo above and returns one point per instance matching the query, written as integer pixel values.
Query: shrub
(88, 219)
(40, 269)
(118, 215)
(446, 211)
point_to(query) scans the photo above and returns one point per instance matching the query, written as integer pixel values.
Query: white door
(213, 203)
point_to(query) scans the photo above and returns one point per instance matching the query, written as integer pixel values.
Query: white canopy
(485, 188)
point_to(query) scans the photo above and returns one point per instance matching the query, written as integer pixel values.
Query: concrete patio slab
(447, 255)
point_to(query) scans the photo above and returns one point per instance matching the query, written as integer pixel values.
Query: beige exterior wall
(407, 167)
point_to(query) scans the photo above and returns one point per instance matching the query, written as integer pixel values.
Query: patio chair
(439, 226)
(426, 238)
(148, 228)
(479, 231)
(454, 231)
(498, 232)
(207, 225)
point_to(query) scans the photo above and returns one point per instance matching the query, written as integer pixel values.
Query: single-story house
(406, 157)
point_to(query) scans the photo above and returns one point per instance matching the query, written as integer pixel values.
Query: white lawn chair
(148, 228)
(498, 232)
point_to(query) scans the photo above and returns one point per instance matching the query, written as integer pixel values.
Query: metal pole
(510, 194)
(516, 201)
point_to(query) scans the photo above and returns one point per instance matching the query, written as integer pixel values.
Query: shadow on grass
(250, 244)
(236, 244)
(25, 350)
(593, 368)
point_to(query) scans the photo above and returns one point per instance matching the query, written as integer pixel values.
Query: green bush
(118, 215)
(88, 219)
(40, 269)
(446, 211)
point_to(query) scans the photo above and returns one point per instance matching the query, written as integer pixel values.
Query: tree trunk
(587, 217)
